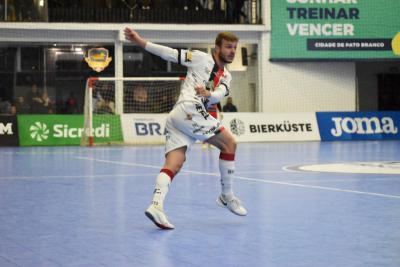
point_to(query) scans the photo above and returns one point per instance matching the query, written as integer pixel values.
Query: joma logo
(371, 125)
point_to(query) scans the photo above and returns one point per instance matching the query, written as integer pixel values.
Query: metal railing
(193, 12)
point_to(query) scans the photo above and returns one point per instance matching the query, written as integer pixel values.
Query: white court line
(76, 176)
(349, 180)
(252, 179)
(246, 172)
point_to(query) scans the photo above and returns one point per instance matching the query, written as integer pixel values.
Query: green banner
(59, 130)
(335, 29)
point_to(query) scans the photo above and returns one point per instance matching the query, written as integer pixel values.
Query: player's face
(227, 51)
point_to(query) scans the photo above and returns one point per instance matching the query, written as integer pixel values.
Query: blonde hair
(225, 36)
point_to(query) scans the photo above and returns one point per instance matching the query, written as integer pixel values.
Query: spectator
(234, 10)
(145, 4)
(105, 107)
(33, 95)
(21, 106)
(71, 105)
(43, 106)
(217, 5)
(165, 104)
(5, 106)
(229, 106)
(140, 103)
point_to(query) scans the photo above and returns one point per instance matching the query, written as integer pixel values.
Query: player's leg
(227, 145)
(173, 163)
(213, 112)
(176, 145)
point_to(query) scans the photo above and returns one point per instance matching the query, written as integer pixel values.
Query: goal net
(128, 110)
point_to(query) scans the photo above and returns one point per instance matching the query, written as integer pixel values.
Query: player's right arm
(134, 37)
(181, 56)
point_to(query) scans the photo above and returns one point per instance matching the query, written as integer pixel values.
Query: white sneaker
(233, 205)
(157, 216)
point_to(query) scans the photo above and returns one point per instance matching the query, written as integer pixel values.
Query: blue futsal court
(74, 206)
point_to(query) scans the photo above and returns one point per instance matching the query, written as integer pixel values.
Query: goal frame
(88, 101)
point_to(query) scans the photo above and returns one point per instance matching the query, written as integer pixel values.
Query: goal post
(116, 109)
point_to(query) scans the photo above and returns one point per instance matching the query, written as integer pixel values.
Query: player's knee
(229, 147)
(232, 146)
(177, 166)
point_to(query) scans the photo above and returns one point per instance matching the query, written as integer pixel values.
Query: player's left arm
(219, 92)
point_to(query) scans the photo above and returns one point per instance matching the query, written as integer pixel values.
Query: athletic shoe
(157, 216)
(233, 205)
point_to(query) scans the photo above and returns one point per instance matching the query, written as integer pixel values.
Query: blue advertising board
(358, 125)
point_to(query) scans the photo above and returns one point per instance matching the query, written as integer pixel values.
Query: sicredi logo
(364, 125)
(39, 131)
(6, 129)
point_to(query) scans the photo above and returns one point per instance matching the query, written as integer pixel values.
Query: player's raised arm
(134, 37)
(164, 52)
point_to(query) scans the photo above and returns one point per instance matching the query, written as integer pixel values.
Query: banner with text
(259, 127)
(335, 29)
(144, 128)
(358, 125)
(8, 131)
(57, 130)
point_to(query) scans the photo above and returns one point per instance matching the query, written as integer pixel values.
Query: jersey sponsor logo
(201, 129)
(201, 109)
(188, 56)
(6, 129)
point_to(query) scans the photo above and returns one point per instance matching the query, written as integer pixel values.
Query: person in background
(71, 105)
(229, 106)
(140, 102)
(5, 106)
(42, 106)
(21, 106)
(33, 96)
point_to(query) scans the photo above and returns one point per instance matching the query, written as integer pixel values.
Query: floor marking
(121, 163)
(77, 176)
(348, 180)
(363, 167)
(251, 172)
(252, 179)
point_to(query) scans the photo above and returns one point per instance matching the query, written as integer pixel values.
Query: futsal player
(207, 82)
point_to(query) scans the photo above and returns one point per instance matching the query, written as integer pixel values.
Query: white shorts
(188, 122)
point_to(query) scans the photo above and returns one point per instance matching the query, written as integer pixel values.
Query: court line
(348, 180)
(251, 179)
(76, 176)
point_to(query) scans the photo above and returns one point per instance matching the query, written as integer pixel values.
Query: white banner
(246, 127)
(260, 127)
(144, 128)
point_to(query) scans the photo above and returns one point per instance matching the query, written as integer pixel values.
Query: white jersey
(189, 120)
(202, 70)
